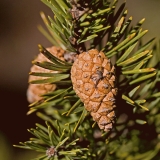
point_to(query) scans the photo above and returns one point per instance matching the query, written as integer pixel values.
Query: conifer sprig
(78, 26)
(54, 142)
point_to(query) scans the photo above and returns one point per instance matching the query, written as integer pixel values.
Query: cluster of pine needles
(69, 131)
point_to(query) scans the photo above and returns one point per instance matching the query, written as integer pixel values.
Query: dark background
(19, 38)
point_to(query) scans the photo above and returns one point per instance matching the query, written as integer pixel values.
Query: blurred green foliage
(7, 152)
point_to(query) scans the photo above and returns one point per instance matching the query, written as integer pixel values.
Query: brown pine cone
(93, 78)
(35, 90)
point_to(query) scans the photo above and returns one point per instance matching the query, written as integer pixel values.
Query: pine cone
(35, 90)
(93, 78)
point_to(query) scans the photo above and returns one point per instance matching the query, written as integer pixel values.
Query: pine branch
(70, 132)
(55, 142)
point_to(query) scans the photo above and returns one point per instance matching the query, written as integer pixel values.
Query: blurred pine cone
(35, 90)
(93, 78)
